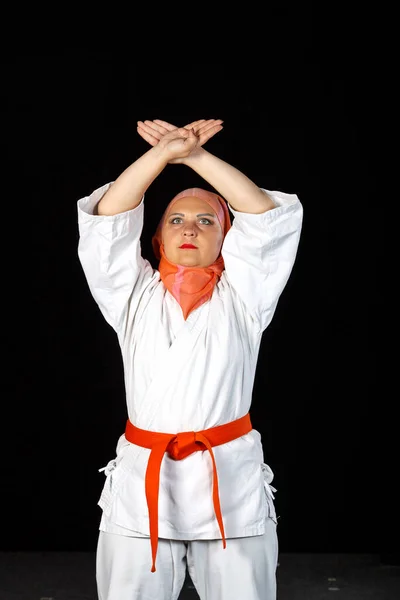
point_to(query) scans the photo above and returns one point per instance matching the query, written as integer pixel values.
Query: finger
(150, 130)
(192, 132)
(152, 127)
(194, 124)
(191, 141)
(153, 141)
(205, 136)
(164, 124)
(149, 138)
(204, 127)
(182, 131)
(204, 124)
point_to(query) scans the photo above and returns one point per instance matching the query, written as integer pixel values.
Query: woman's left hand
(153, 131)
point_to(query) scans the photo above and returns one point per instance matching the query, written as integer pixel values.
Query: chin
(189, 264)
(185, 261)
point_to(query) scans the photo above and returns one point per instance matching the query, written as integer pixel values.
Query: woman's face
(191, 221)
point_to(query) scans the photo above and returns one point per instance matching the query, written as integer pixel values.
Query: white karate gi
(188, 376)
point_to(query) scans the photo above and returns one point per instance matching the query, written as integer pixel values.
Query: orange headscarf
(191, 286)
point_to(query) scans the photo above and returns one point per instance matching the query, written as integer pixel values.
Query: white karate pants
(244, 570)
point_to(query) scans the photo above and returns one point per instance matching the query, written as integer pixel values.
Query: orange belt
(179, 446)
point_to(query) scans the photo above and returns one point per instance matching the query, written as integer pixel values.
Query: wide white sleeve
(109, 251)
(259, 252)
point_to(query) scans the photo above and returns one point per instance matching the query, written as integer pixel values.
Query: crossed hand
(178, 142)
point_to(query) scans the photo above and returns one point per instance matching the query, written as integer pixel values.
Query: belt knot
(183, 444)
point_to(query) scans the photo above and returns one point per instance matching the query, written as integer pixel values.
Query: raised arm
(237, 189)
(128, 189)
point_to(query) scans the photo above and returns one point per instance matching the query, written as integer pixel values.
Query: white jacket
(189, 375)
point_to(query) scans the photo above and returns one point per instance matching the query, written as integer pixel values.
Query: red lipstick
(188, 246)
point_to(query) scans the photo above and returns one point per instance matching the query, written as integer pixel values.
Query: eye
(208, 222)
(173, 221)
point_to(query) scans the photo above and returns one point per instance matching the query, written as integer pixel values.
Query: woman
(188, 487)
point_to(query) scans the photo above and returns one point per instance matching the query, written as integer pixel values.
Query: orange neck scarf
(192, 286)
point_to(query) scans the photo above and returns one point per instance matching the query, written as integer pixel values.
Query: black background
(299, 104)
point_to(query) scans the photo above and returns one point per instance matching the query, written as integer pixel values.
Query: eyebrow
(200, 215)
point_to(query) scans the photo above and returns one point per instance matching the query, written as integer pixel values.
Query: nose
(189, 231)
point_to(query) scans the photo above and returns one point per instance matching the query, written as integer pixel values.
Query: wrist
(194, 158)
(159, 155)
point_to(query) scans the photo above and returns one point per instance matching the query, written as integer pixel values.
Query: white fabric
(189, 375)
(245, 569)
